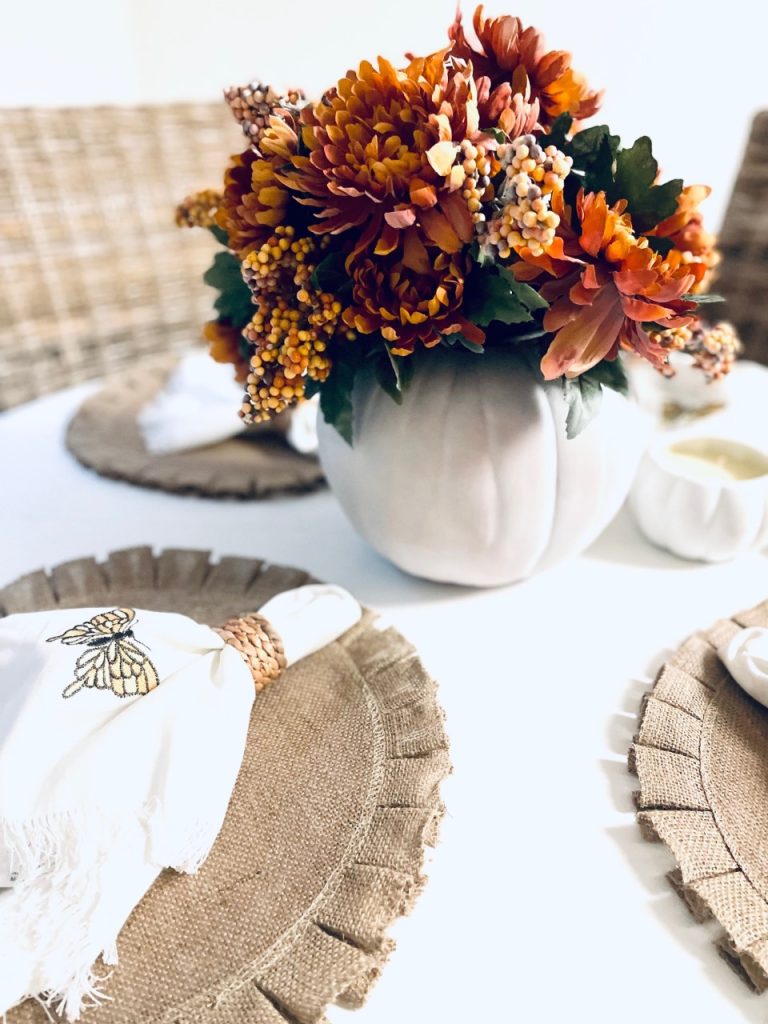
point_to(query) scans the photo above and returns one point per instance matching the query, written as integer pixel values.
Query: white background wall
(689, 74)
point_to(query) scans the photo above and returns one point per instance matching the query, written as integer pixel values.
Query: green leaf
(496, 295)
(558, 133)
(594, 152)
(528, 296)
(590, 141)
(703, 300)
(219, 234)
(394, 373)
(386, 380)
(636, 170)
(663, 246)
(527, 335)
(457, 338)
(481, 255)
(330, 274)
(312, 387)
(223, 271)
(336, 399)
(583, 396)
(233, 304)
(611, 374)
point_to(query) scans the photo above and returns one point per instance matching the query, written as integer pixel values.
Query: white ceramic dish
(703, 497)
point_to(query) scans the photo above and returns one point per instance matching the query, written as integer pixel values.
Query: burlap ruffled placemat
(323, 843)
(701, 755)
(105, 436)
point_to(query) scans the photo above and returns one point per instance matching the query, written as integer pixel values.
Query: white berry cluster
(527, 220)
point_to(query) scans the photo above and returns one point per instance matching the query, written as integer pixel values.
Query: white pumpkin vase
(472, 480)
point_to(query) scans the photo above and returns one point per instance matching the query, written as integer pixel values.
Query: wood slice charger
(104, 435)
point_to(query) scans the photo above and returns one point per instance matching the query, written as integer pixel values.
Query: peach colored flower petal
(400, 218)
(415, 255)
(441, 157)
(644, 312)
(585, 340)
(438, 230)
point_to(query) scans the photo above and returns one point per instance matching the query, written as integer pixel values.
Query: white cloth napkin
(98, 792)
(198, 406)
(746, 658)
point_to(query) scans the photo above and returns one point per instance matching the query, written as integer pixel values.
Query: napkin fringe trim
(52, 861)
(53, 858)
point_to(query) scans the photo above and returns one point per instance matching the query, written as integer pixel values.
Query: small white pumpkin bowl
(702, 497)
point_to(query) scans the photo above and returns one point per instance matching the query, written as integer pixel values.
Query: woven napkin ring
(258, 643)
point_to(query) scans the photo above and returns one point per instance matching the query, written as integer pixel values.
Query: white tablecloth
(544, 905)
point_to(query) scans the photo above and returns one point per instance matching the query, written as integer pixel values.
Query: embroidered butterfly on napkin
(114, 660)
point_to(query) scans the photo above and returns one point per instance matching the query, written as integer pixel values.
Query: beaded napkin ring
(258, 643)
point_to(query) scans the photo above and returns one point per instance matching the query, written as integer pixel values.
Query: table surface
(544, 904)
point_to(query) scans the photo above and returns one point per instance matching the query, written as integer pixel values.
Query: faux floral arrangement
(459, 200)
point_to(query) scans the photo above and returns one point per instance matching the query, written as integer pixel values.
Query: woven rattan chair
(743, 276)
(94, 272)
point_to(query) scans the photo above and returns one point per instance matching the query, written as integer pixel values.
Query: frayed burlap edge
(104, 436)
(336, 950)
(673, 804)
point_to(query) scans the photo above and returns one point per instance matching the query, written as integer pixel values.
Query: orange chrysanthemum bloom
(225, 346)
(255, 201)
(685, 229)
(512, 66)
(412, 300)
(383, 149)
(607, 283)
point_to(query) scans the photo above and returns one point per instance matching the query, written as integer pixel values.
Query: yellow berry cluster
(526, 220)
(282, 255)
(477, 166)
(254, 104)
(714, 349)
(284, 352)
(294, 321)
(199, 210)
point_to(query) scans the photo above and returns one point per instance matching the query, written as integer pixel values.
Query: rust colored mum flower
(383, 148)
(413, 300)
(607, 283)
(511, 61)
(225, 346)
(685, 229)
(255, 200)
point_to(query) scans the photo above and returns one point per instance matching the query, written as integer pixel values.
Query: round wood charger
(105, 436)
(323, 843)
(701, 755)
